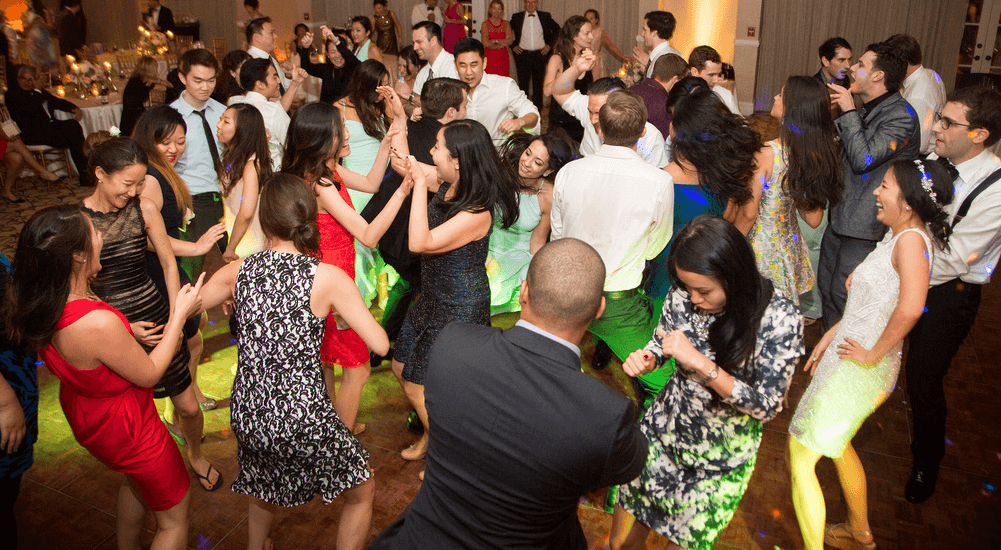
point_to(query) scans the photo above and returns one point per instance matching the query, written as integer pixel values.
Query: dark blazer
(844, 82)
(520, 434)
(550, 28)
(71, 28)
(165, 21)
(26, 108)
(890, 131)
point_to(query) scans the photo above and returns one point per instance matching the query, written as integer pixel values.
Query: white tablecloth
(95, 116)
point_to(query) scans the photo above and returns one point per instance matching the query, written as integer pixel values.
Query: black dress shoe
(602, 356)
(414, 424)
(921, 486)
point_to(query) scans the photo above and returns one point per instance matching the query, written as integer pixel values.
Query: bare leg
(329, 381)
(259, 523)
(853, 483)
(415, 392)
(14, 162)
(807, 497)
(627, 533)
(20, 148)
(129, 519)
(195, 346)
(349, 396)
(172, 527)
(356, 517)
(192, 425)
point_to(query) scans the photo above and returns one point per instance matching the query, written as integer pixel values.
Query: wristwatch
(711, 375)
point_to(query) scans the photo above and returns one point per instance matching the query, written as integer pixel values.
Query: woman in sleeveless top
(317, 139)
(599, 40)
(496, 35)
(361, 35)
(885, 299)
(105, 376)
(245, 139)
(538, 159)
(387, 35)
(451, 233)
(574, 37)
(160, 131)
(127, 222)
(291, 443)
(455, 25)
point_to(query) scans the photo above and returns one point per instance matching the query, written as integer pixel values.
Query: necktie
(210, 138)
(430, 72)
(281, 89)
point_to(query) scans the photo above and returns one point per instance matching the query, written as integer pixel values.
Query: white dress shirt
(652, 146)
(420, 13)
(276, 120)
(616, 202)
(496, 99)
(195, 166)
(443, 67)
(925, 92)
(258, 53)
(728, 99)
(659, 50)
(532, 38)
(975, 243)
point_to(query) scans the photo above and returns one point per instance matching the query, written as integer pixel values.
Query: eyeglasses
(947, 122)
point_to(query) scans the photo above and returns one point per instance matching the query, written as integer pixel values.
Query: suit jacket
(888, 132)
(550, 28)
(844, 82)
(520, 434)
(71, 28)
(26, 107)
(165, 21)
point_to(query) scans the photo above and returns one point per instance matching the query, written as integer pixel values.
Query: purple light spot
(948, 441)
(211, 322)
(234, 341)
(910, 110)
(924, 309)
(761, 534)
(40, 363)
(937, 78)
(795, 237)
(988, 486)
(868, 160)
(927, 256)
(865, 177)
(793, 128)
(204, 543)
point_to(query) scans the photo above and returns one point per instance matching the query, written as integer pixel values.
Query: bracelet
(711, 375)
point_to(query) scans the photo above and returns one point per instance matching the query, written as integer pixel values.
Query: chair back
(219, 48)
(157, 96)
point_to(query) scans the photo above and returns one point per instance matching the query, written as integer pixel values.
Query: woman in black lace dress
(126, 221)
(451, 234)
(291, 444)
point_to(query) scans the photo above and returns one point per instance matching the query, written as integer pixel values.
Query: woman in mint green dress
(536, 159)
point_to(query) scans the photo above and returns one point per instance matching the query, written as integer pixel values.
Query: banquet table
(97, 116)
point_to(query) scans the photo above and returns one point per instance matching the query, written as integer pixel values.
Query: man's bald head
(564, 281)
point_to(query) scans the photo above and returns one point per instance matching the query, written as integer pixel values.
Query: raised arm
(563, 86)
(553, 70)
(461, 229)
(865, 153)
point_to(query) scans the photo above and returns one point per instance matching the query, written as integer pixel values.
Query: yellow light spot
(971, 134)
(893, 145)
(776, 514)
(972, 258)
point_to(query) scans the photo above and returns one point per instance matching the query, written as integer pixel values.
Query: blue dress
(17, 366)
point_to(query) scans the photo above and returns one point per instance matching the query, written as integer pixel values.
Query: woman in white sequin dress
(886, 297)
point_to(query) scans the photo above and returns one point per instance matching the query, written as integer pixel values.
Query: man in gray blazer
(885, 128)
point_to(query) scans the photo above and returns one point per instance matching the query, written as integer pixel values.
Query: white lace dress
(844, 393)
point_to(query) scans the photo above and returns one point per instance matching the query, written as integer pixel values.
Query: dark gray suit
(888, 131)
(518, 435)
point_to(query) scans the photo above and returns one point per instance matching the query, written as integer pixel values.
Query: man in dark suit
(534, 36)
(884, 129)
(158, 18)
(510, 455)
(835, 61)
(33, 111)
(71, 28)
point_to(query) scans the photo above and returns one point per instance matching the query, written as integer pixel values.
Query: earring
(907, 207)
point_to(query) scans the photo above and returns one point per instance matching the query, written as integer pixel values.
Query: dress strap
(76, 309)
(924, 235)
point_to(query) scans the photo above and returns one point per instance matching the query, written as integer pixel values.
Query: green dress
(508, 255)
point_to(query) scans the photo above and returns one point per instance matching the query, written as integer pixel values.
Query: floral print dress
(703, 447)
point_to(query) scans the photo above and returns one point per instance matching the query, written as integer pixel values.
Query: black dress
(124, 283)
(558, 118)
(454, 287)
(335, 80)
(134, 100)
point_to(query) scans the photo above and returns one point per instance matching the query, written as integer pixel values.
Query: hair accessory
(926, 181)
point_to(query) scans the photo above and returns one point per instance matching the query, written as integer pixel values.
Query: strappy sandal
(839, 535)
(214, 486)
(208, 405)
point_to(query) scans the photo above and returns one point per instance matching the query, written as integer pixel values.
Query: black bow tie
(531, 15)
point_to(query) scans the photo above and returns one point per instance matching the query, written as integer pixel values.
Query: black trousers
(531, 67)
(61, 134)
(9, 489)
(839, 256)
(950, 310)
(208, 211)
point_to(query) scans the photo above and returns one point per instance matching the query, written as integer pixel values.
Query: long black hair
(558, 144)
(315, 135)
(42, 270)
(485, 184)
(931, 211)
(366, 101)
(155, 125)
(565, 39)
(719, 144)
(712, 247)
(809, 139)
(249, 141)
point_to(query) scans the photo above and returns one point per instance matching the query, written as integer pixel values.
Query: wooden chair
(184, 40)
(219, 48)
(127, 64)
(3, 72)
(157, 96)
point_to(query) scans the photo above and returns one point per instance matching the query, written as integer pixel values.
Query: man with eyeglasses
(969, 123)
(882, 130)
(427, 10)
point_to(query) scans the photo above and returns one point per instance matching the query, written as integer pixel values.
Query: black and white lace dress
(291, 445)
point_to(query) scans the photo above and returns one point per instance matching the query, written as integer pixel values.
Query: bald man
(510, 457)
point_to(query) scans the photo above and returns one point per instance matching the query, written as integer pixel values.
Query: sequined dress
(843, 393)
(781, 255)
(454, 287)
(291, 445)
(703, 448)
(385, 34)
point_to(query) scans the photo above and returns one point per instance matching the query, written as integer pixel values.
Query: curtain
(107, 23)
(791, 31)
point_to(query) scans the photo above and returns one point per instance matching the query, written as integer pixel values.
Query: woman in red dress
(317, 140)
(496, 35)
(455, 24)
(105, 376)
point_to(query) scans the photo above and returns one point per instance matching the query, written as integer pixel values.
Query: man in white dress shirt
(658, 28)
(650, 145)
(616, 202)
(260, 79)
(262, 38)
(922, 88)
(441, 64)
(494, 101)
(970, 123)
(705, 63)
(427, 10)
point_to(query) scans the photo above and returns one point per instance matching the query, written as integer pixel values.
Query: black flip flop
(218, 482)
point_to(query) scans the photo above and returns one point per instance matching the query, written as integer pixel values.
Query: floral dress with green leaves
(703, 447)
